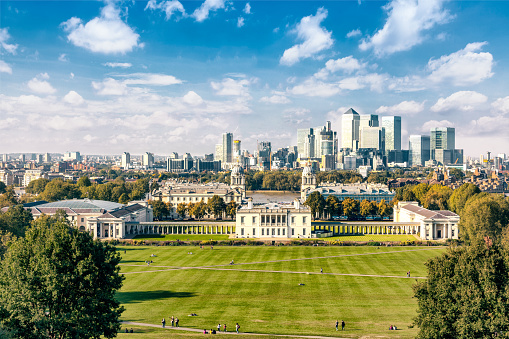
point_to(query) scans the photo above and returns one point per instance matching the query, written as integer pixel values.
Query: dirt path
(229, 333)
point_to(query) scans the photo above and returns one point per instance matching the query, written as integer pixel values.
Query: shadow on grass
(150, 236)
(136, 297)
(131, 261)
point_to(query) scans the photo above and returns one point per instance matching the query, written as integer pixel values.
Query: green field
(183, 237)
(365, 286)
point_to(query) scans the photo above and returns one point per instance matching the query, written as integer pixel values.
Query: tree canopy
(461, 195)
(59, 283)
(316, 203)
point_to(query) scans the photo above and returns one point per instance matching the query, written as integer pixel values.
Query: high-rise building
(47, 157)
(368, 120)
(443, 138)
(39, 158)
(22, 158)
(148, 159)
(227, 147)
(219, 153)
(5, 157)
(325, 141)
(419, 149)
(304, 143)
(236, 151)
(126, 160)
(392, 126)
(350, 129)
(372, 137)
(72, 156)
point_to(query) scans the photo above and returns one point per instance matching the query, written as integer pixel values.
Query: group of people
(127, 331)
(393, 327)
(408, 274)
(174, 322)
(342, 325)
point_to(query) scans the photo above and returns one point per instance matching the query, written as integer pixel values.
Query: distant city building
(39, 158)
(372, 137)
(148, 159)
(126, 160)
(350, 122)
(31, 175)
(72, 156)
(22, 158)
(264, 154)
(219, 153)
(443, 146)
(392, 126)
(305, 143)
(6, 177)
(47, 157)
(227, 147)
(419, 149)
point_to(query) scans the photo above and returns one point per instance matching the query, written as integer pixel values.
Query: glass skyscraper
(392, 125)
(419, 147)
(350, 129)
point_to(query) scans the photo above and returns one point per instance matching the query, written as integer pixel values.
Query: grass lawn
(261, 293)
(374, 237)
(183, 237)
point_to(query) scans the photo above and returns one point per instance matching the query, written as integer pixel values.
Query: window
(273, 231)
(283, 219)
(293, 220)
(273, 219)
(254, 232)
(262, 231)
(283, 231)
(242, 220)
(241, 231)
(278, 231)
(263, 219)
(254, 220)
(303, 231)
(82, 219)
(303, 220)
(293, 231)
(278, 219)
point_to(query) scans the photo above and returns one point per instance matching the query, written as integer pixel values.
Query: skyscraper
(303, 140)
(443, 138)
(372, 137)
(350, 129)
(325, 141)
(126, 160)
(227, 147)
(419, 147)
(148, 159)
(392, 125)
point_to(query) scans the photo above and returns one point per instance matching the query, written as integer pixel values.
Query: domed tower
(238, 180)
(308, 179)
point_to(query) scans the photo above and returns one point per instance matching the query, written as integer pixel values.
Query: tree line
(215, 206)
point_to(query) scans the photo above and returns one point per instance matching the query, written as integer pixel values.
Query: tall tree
(216, 206)
(84, 181)
(36, 186)
(199, 210)
(460, 196)
(366, 208)
(8, 198)
(350, 207)
(231, 209)
(316, 203)
(58, 282)
(15, 220)
(332, 205)
(182, 209)
(159, 208)
(466, 294)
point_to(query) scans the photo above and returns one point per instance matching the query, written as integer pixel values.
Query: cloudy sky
(169, 76)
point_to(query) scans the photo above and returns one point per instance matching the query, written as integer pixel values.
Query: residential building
(6, 177)
(148, 159)
(72, 156)
(126, 160)
(31, 175)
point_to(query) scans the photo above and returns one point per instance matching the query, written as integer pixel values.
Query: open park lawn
(273, 290)
(183, 237)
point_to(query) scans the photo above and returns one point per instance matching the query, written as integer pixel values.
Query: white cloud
(151, 79)
(44, 75)
(462, 101)
(314, 88)
(118, 64)
(276, 98)
(169, 7)
(240, 22)
(501, 105)
(202, 12)
(491, 126)
(374, 81)
(106, 34)
(347, 64)
(297, 116)
(41, 86)
(232, 87)
(354, 33)
(464, 67)
(315, 39)
(247, 8)
(89, 138)
(63, 57)
(71, 75)
(110, 86)
(406, 22)
(192, 98)
(409, 108)
(428, 125)
(5, 68)
(73, 98)
(4, 36)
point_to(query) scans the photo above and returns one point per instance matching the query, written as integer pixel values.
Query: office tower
(443, 138)
(303, 143)
(72, 156)
(227, 147)
(208, 157)
(325, 141)
(5, 158)
(219, 153)
(39, 158)
(236, 151)
(148, 159)
(22, 157)
(392, 125)
(264, 153)
(47, 157)
(372, 137)
(126, 160)
(419, 147)
(350, 129)
(174, 155)
(368, 120)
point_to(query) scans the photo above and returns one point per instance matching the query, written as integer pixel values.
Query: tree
(60, 190)
(199, 210)
(159, 208)
(216, 206)
(231, 209)
(332, 205)
(58, 282)
(366, 208)
(8, 198)
(485, 215)
(15, 220)
(460, 196)
(408, 195)
(2, 187)
(437, 197)
(36, 186)
(84, 181)
(384, 209)
(350, 207)
(420, 191)
(124, 199)
(182, 209)
(316, 203)
(466, 294)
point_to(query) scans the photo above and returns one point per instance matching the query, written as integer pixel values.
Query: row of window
(272, 231)
(272, 219)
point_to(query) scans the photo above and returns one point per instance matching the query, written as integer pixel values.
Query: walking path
(231, 332)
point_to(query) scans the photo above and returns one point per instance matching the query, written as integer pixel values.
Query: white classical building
(273, 220)
(434, 225)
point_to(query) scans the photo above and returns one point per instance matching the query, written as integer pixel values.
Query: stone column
(449, 230)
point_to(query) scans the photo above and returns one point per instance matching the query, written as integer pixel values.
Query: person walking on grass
(176, 322)
(342, 325)
(337, 324)
(163, 322)
(237, 326)
(219, 327)
(172, 321)
(224, 328)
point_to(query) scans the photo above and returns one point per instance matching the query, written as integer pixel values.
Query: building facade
(419, 149)
(392, 126)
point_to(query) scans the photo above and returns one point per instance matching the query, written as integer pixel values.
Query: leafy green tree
(2, 187)
(460, 196)
(8, 198)
(485, 215)
(231, 209)
(58, 189)
(58, 282)
(350, 207)
(36, 186)
(457, 173)
(437, 197)
(420, 191)
(316, 203)
(409, 195)
(466, 294)
(216, 206)
(199, 210)
(159, 208)
(84, 181)
(15, 220)
(366, 208)
(384, 209)
(154, 186)
(332, 205)
(182, 209)
(124, 198)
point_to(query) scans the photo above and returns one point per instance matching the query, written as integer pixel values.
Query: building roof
(83, 204)
(429, 214)
(351, 111)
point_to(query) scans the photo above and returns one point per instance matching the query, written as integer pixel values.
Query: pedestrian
(321, 270)
(176, 322)
(237, 326)
(219, 327)
(163, 322)
(342, 325)
(224, 328)
(125, 251)
(337, 324)
(172, 321)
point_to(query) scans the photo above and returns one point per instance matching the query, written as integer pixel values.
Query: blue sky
(103, 77)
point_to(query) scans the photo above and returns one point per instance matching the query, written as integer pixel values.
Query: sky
(104, 77)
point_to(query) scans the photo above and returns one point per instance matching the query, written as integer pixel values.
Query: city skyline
(170, 76)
